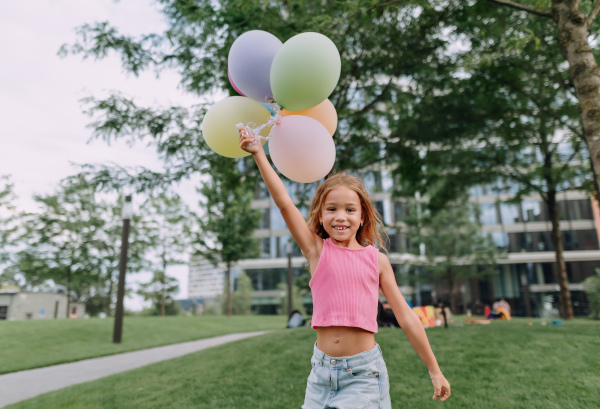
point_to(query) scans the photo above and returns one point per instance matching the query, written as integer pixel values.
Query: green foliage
(225, 228)
(297, 303)
(454, 246)
(591, 286)
(160, 290)
(241, 299)
(8, 220)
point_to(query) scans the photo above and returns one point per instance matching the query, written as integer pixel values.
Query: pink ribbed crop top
(345, 287)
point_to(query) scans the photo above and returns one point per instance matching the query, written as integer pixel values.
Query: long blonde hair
(372, 229)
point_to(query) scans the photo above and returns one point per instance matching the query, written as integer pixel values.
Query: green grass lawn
(37, 343)
(502, 365)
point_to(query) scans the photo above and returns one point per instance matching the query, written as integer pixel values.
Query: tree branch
(593, 13)
(517, 6)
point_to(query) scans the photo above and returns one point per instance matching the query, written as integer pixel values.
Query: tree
(108, 247)
(454, 246)
(592, 289)
(575, 29)
(167, 232)
(241, 300)
(61, 239)
(160, 290)
(506, 116)
(226, 227)
(8, 218)
(386, 49)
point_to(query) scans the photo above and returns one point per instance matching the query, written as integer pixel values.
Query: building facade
(16, 305)
(525, 277)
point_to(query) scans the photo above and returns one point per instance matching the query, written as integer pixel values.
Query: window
(3, 312)
(400, 211)
(532, 211)
(265, 220)
(379, 207)
(509, 213)
(488, 214)
(500, 239)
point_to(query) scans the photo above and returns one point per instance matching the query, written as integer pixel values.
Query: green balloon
(305, 71)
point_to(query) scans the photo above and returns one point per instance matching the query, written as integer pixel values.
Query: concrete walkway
(18, 386)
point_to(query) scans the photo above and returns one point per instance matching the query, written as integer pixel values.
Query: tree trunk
(162, 298)
(68, 291)
(451, 283)
(110, 291)
(573, 39)
(566, 307)
(162, 288)
(228, 290)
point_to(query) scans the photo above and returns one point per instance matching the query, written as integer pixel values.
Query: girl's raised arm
(306, 239)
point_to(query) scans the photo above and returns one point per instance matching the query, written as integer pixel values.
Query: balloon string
(273, 121)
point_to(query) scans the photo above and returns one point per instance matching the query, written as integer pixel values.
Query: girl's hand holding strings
(248, 143)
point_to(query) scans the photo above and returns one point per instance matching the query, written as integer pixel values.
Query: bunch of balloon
(284, 87)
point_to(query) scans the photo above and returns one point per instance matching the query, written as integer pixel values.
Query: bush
(591, 286)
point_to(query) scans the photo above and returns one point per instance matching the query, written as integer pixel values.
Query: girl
(348, 370)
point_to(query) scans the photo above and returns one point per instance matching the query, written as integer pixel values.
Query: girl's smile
(341, 216)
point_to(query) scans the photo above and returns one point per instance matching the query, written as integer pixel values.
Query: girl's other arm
(306, 239)
(412, 327)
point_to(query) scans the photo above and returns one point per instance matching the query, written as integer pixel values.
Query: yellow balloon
(324, 113)
(218, 126)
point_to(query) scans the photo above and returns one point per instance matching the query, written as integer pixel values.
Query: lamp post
(127, 214)
(289, 275)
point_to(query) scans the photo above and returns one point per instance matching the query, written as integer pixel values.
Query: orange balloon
(324, 113)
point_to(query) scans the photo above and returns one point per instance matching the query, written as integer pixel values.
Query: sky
(42, 124)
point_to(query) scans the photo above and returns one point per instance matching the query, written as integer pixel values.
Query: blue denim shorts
(349, 382)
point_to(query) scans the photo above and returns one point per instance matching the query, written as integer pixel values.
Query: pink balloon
(233, 85)
(302, 149)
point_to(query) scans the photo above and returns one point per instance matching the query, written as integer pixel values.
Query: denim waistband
(373, 354)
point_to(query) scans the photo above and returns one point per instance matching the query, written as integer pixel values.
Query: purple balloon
(249, 64)
(233, 84)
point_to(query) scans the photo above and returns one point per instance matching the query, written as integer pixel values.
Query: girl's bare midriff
(344, 341)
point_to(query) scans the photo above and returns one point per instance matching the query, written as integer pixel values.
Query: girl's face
(341, 216)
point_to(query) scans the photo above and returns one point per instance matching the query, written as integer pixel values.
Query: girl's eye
(331, 209)
(351, 210)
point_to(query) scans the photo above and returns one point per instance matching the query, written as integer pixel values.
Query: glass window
(511, 187)
(277, 221)
(487, 215)
(476, 191)
(509, 213)
(379, 207)
(400, 211)
(265, 248)
(580, 240)
(261, 191)
(541, 241)
(387, 181)
(579, 209)
(500, 239)
(532, 211)
(516, 242)
(265, 219)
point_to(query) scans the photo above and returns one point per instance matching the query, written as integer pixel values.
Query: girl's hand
(441, 388)
(248, 143)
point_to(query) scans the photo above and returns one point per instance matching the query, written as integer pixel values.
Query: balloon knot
(278, 122)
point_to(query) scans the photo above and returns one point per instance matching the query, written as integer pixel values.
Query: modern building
(525, 276)
(16, 305)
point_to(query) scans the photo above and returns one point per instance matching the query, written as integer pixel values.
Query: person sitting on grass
(348, 370)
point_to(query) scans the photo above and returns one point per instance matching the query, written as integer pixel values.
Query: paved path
(18, 386)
